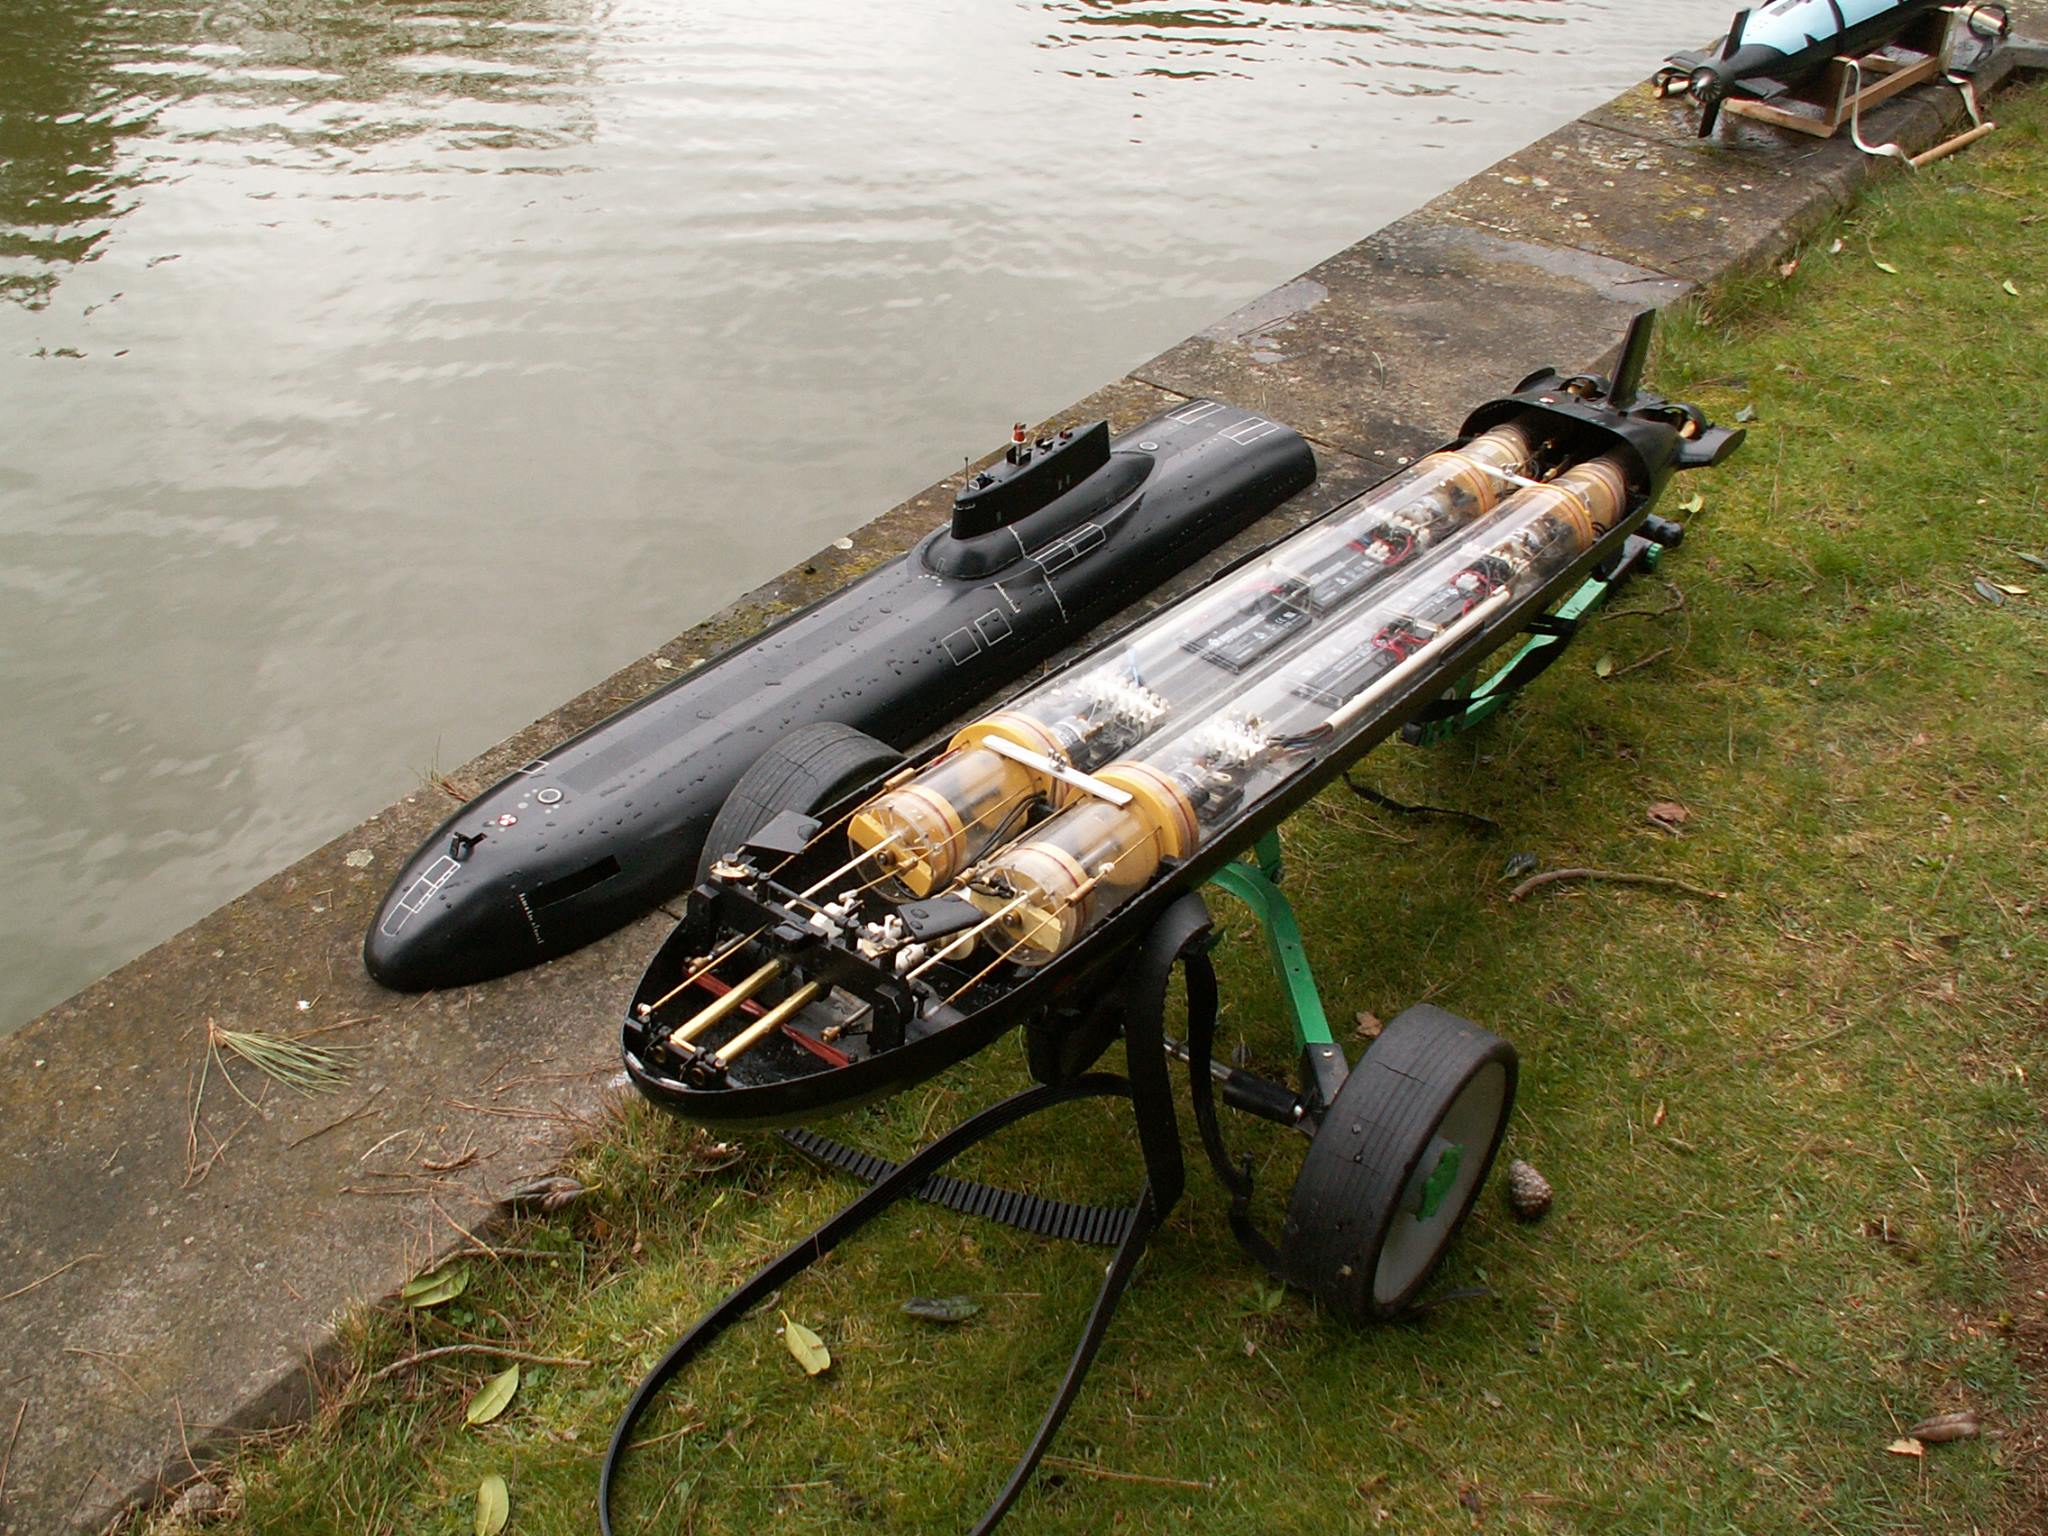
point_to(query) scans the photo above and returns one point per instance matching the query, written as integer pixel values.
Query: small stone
(199, 1504)
(1529, 1193)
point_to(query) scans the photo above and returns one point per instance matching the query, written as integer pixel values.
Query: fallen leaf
(1469, 1497)
(1906, 1448)
(1885, 266)
(842, 543)
(2008, 287)
(2036, 561)
(2009, 589)
(1658, 1118)
(1518, 865)
(942, 1309)
(1747, 413)
(1369, 1024)
(430, 1290)
(809, 1349)
(359, 858)
(1989, 593)
(1835, 249)
(493, 1397)
(493, 1505)
(1944, 1427)
(1787, 268)
(1603, 666)
(1693, 503)
(1669, 814)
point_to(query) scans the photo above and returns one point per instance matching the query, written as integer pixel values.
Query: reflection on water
(309, 86)
(380, 374)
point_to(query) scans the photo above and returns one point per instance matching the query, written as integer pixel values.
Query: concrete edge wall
(174, 1261)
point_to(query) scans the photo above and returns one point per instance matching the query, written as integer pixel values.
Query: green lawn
(1791, 1132)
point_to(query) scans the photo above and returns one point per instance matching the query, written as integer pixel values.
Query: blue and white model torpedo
(1770, 47)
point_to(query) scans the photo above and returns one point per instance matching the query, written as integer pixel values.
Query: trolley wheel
(1398, 1162)
(805, 771)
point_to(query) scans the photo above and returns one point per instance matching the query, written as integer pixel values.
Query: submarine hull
(596, 832)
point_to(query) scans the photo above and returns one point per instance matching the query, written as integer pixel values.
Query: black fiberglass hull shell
(602, 828)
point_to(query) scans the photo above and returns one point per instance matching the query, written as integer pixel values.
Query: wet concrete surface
(174, 1259)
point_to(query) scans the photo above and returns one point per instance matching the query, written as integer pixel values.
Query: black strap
(1235, 1178)
(908, 1176)
(1103, 1225)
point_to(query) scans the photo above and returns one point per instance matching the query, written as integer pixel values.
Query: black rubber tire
(1345, 1224)
(804, 771)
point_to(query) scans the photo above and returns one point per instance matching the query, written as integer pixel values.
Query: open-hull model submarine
(1042, 869)
(856, 944)
(1771, 47)
(1050, 539)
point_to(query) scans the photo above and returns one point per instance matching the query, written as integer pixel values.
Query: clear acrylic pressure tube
(1163, 802)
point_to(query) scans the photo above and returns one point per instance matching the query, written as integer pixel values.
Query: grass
(1792, 1133)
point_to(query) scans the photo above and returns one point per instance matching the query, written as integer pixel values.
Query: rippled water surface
(378, 374)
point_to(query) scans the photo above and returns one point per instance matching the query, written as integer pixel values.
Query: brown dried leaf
(1668, 814)
(1906, 1448)
(1369, 1024)
(1944, 1427)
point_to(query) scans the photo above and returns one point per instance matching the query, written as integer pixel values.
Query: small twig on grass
(1640, 662)
(1800, 1045)
(7, 1460)
(1125, 1477)
(1677, 602)
(53, 1274)
(1619, 877)
(409, 1361)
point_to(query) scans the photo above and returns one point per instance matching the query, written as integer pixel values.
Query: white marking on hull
(418, 894)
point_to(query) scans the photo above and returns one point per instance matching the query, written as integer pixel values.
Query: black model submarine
(1769, 48)
(1050, 539)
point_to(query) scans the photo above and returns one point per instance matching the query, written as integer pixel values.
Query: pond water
(378, 375)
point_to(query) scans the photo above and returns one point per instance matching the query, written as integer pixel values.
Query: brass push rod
(729, 1003)
(770, 1021)
(704, 968)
